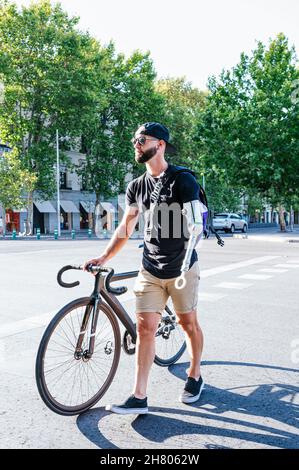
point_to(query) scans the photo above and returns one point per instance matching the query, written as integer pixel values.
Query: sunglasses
(140, 140)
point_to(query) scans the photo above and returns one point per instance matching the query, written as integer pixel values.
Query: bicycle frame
(99, 293)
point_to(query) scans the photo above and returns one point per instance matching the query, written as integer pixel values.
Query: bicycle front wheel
(70, 382)
(170, 340)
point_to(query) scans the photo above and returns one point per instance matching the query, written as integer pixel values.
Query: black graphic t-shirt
(165, 233)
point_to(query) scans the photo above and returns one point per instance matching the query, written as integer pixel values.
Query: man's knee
(147, 324)
(189, 322)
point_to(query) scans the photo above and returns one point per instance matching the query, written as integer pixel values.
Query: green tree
(250, 126)
(181, 105)
(14, 181)
(130, 101)
(51, 77)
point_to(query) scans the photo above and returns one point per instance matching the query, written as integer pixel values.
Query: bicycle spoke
(71, 377)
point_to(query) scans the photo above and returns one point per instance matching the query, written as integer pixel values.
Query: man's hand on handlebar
(100, 261)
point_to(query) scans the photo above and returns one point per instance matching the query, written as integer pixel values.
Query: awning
(107, 206)
(45, 207)
(69, 206)
(88, 206)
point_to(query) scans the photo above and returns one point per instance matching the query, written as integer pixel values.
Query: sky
(191, 38)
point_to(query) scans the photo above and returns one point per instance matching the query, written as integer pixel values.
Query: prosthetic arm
(193, 212)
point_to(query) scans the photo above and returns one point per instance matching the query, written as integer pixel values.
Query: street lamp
(58, 182)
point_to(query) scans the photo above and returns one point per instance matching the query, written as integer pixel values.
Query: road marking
(233, 285)
(42, 320)
(21, 253)
(272, 270)
(255, 277)
(286, 265)
(210, 297)
(231, 267)
(30, 323)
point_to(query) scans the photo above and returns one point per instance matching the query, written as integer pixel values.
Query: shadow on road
(265, 400)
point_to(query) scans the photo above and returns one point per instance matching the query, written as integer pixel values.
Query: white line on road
(272, 270)
(21, 253)
(233, 266)
(233, 285)
(255, 277)
(30, 323)
(286, 265)
(210, 297)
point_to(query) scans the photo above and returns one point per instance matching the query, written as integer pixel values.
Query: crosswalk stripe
(210, 297)
(272, 270)
(286, 265)
(233, 285)
(231, 267)
(255, 277)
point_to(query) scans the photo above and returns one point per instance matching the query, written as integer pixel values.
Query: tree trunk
(3, 227)
(29, 221)
(90, 221)
(282, 222)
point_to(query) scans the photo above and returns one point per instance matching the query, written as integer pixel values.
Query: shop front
(12, 220)
(68, 215)
(41, 211)
(86, 214)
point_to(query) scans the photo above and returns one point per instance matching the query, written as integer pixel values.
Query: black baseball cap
(155, 129)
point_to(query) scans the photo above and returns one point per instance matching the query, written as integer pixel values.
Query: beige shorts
(152, 292)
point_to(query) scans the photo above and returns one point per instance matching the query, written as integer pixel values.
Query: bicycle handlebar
(95, 269)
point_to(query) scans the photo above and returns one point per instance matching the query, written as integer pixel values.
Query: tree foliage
(180, 107)
(250, 126)
(130, 101)
(51, 78)
(14, 181)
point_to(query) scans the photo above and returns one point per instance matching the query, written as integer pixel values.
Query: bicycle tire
(40, 374)
(172, 358)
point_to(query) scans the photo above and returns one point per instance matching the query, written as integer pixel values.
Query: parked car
(229, 222)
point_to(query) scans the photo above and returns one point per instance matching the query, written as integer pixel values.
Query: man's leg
(194, 340)
(147, 324)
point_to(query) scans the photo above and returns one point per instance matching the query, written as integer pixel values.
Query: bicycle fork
(91, 309)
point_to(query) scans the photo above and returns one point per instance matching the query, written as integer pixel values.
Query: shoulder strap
(166, 179)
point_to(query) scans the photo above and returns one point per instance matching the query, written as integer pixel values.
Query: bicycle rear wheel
(170, 340)
(71, 383)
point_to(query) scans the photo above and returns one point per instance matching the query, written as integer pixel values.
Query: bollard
(56, 234)
(14, 234)
(38, 233)
(73, 234)
(89, 233)
(105, 233)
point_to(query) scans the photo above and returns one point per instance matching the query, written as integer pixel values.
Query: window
(63, 178)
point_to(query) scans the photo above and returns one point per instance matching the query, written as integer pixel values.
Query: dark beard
(146, 156)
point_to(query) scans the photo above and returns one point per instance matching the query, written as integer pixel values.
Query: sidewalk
(259, 234)
(271, 235)
(65, 236)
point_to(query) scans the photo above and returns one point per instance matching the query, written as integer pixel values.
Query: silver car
(229, 222)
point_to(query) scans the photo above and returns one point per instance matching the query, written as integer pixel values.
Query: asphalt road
(248, 310)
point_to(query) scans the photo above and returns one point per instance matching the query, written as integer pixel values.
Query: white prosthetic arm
(193, 213)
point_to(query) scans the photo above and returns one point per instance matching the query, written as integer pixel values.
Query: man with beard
(164, 259)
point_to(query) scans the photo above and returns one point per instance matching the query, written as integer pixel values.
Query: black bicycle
(79, 352)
